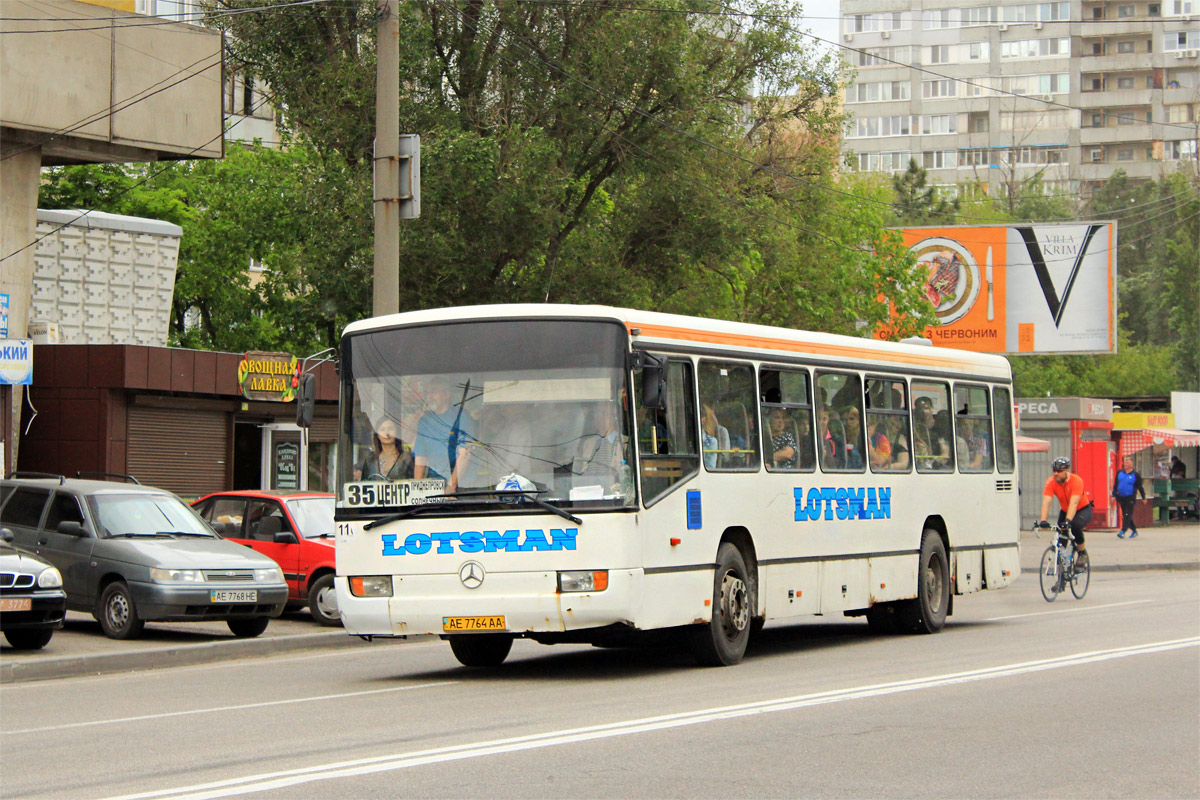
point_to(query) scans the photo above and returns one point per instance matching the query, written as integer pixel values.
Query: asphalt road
(1016, 698)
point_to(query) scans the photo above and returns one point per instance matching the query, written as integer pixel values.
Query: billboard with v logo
(1032, 288)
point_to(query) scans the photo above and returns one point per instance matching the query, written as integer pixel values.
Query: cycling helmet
(1062, 462)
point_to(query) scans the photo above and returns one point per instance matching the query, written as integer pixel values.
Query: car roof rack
(126, 478)
(26, 475)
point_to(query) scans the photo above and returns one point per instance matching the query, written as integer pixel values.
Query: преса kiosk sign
(1020, 288)
(267, 376)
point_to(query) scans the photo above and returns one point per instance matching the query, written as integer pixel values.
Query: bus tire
(927, 612)
(721, 642)
(481, 649)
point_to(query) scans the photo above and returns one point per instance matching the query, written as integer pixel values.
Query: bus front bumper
(529, 602)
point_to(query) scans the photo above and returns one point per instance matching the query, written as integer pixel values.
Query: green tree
(918, 203)
(664, 157)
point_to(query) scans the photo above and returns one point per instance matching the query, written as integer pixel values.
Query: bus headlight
(371, 585)
(585, 581)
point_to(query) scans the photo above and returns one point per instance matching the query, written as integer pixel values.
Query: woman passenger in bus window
(901, 456)
(852, 420)
(715, 438)
(387, 460)
(831, 448)
(783, 441)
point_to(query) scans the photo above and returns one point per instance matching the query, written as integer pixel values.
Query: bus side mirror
(654, 382)
(306, 399)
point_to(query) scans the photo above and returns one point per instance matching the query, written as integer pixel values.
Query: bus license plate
(16, 604)
(231, 596)
(473, 623)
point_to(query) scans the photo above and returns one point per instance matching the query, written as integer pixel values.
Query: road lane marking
(270, 781)
(1068, 610)
(221, 709)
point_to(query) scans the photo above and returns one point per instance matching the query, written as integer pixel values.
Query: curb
(181, 655)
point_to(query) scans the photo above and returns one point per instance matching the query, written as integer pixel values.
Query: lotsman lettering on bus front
(841, 503)
(509, 541)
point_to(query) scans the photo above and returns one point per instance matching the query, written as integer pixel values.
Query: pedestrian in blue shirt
(1126, 486)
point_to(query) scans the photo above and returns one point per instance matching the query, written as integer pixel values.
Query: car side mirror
(286, 537)
(70, 528)
(306, 399)
(6, 535)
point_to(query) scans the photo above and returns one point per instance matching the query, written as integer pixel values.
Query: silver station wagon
(129, 554)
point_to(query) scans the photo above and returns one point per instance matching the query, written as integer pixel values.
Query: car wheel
(118, 614)
(322, 601)
(28, 640)
(248, 627)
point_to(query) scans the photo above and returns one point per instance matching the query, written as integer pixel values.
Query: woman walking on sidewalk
(1126, 486)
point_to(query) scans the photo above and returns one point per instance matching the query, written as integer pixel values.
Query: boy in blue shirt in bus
(1126, 486)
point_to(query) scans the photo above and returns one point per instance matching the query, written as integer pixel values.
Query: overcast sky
(820, 18)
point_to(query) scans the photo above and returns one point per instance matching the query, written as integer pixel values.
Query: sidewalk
(81, 649)
(1174, 546)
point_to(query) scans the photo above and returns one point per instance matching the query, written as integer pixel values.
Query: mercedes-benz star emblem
(471, 574)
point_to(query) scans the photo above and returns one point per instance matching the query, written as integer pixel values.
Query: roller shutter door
(180, 450)
(323, 429)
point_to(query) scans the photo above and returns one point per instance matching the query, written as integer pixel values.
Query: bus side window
(1004, 430)
(727, 435)
(668, 446)
(888, 442)
(840, 422)
(931, 437)
(973, 428)
(787, 431)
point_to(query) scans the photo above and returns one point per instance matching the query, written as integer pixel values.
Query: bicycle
(1063, 565)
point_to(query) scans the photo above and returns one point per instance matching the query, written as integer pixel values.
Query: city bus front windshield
(475, 409)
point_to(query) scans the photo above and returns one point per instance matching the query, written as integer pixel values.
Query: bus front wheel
(721, 642)
(926, 613)
(481, 649)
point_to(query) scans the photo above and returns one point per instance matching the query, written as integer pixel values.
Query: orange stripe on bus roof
(813, 348)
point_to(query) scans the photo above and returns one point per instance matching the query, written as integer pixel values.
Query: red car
(294, 528)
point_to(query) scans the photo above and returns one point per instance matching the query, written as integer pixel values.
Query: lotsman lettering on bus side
(509, 541)
(843, 503)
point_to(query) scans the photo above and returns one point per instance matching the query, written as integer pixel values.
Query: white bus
(585, 473)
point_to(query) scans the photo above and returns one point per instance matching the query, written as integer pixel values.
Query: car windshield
(535, 405)
(314, 515)
(146, 515)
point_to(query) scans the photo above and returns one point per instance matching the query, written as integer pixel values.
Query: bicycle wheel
(1082, 576)
(1050, 575)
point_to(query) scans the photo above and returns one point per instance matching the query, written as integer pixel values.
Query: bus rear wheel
(721, 642)
(926, 613)
(481, 649)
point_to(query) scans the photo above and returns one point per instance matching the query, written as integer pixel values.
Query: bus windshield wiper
(499, 494)
(519, 494)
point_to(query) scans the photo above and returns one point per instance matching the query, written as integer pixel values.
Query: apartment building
(990, 94)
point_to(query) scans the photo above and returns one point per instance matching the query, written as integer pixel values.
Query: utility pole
(386, 295)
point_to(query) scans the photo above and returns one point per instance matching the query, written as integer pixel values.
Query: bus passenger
(601, 450)
(783, 441)
(879, 447)
(852, 419)
(443, 433)
(714, 439)
(901, 457)
(387, 460)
